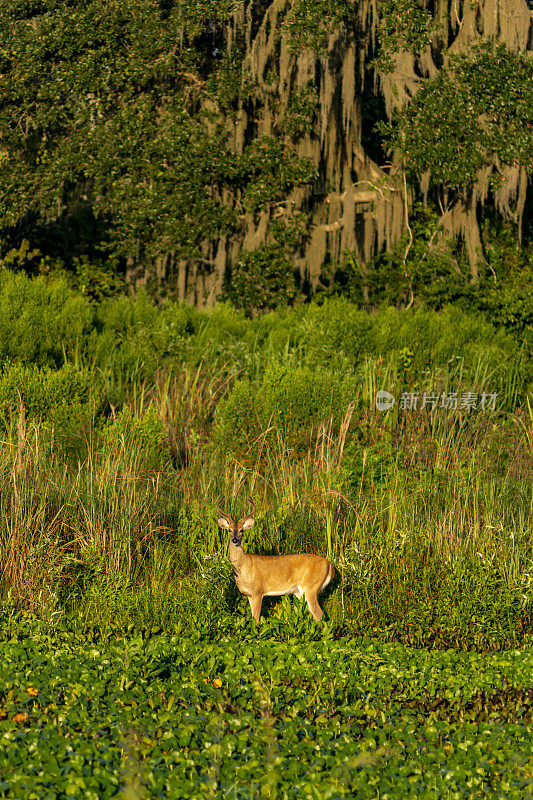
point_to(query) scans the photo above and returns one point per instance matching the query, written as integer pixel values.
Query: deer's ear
(248, 523)
(223, 523)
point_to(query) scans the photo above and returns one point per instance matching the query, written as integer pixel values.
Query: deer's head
(236, 529)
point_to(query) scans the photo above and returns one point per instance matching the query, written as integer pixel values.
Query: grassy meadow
(123, 423)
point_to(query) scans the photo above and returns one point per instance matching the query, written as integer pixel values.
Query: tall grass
(119, 433)
(427, 515)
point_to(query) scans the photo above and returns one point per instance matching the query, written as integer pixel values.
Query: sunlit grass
(427, 516)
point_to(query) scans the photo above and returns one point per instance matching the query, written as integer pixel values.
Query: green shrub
(237, 417)
(41, 323)
(64, 399)
(128, 340)
(135, 338)
(336, 334)
(436, 338)
(461, 346)
(374, 468)
(338, 331)
(143, 437)
(263, 278)
(291, 400)
(126, 314)
(297, 397)
(511, 307)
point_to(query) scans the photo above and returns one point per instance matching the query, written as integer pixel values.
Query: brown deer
(266, 576)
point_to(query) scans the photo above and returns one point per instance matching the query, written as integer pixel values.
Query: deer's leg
(314, 608)
(255, 605)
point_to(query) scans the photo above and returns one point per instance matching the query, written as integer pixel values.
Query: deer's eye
(241, 530)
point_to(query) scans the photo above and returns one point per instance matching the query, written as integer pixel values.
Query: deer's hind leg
(312, 595)
(312, 604)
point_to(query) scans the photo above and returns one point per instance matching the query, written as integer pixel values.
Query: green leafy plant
(183, 714)
(262, 279)
(475, 110)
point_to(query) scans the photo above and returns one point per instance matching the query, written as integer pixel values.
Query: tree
(113, 140)
(189, 141)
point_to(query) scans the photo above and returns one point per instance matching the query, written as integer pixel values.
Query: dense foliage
(440, 277)
(117, 135)
(181, 716)
(477, 112)
(124, 422)
(112, 142)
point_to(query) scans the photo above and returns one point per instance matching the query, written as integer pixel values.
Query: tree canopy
(151, 136)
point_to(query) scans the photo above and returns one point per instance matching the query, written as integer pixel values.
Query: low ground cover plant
(198, 714)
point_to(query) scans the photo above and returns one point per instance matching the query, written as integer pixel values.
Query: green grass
(427, 521)
(116, 445)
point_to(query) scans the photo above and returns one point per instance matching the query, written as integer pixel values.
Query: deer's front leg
(255, 605)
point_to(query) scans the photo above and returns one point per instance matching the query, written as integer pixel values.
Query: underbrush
(116, 447)
(432, 549)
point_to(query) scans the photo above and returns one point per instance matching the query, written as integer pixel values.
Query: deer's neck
(237, 556)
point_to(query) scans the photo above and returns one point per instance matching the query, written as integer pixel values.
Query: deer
(271, 576)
